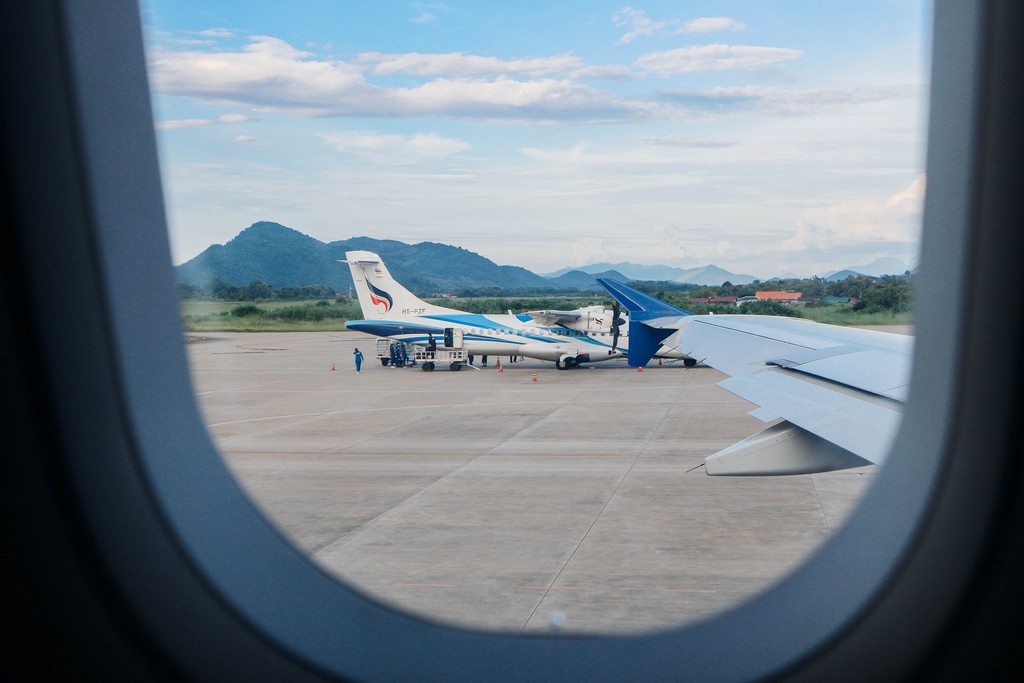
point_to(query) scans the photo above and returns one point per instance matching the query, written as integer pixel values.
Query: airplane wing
(549, 318)
(834, 394)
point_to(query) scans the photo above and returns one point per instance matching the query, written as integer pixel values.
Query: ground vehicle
(418, 355)
(124, 531)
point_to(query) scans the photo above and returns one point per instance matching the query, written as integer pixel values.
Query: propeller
(616, 324)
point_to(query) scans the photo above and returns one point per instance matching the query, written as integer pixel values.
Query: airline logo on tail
(379, 296)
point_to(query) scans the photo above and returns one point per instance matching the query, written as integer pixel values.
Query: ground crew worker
(359, 359)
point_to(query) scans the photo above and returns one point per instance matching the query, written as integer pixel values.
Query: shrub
(246, 310)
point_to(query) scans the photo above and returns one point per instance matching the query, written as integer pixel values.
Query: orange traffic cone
(640, 369)
(534, 375)
(333, 369)
(500, 368)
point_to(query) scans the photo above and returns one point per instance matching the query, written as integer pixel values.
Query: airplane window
(783, 145)
(136, 555)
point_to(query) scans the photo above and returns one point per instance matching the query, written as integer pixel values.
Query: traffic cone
(640, 369)
(333, 369)
(534, 375)
(500, 367)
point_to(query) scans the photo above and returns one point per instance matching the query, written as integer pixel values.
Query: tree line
(889, 294)
(219, 289)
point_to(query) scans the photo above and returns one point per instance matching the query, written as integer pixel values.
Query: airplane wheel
(384, 362)
(562, 364)
(455, 367)
(428, 367)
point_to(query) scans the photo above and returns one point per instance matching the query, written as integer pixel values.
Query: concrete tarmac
(483, 498)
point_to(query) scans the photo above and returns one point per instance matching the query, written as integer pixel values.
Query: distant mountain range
(283, 257)
(887, 265)
(714, 276)
(710, 275)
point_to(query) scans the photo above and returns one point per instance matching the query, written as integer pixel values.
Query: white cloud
(394, 149)
(639, 24)
(703, 58)
(270, 75)
(714, 24)
(424, 14)
(612, 72)
(588, 250)
(682, 141)
(896, 219)
(459, 65)
(245, 138)
(268, 71)
(509, 99)
(771, 100)
(177, 124)
(218, 33)
(573, 155)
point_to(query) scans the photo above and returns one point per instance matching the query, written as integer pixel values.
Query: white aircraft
(566, 337)
(839, 390)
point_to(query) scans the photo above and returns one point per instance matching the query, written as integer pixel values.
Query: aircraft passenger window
(519, 502)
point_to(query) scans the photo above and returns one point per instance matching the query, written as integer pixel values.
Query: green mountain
(580, 279)
(283, 257)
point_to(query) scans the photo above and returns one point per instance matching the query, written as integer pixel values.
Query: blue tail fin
(640, 306)
(644, 340)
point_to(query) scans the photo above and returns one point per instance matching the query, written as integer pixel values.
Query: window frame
(192, 580)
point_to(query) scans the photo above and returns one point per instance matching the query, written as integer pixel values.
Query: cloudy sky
(767, 138)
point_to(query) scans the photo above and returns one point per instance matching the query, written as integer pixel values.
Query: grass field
(268, 316)
(842, 314)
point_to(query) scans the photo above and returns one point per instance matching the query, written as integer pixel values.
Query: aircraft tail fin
(379, 293)
(640, 306)
(644, 339)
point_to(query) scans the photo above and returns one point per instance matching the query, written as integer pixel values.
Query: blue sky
(768, 138)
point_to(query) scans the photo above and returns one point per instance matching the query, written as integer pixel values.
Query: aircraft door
(453, 337)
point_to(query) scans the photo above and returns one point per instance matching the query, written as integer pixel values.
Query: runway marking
(463, 454)
(270, 417)
(821, 506)
(548, 588)
(667, 408)
(682, 590)
(445, 405)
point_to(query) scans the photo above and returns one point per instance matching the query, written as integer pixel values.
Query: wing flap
(862, 424)
(868, 370)
(780, 449)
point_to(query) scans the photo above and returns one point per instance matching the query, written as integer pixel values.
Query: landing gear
(566, 363)
(428, 366)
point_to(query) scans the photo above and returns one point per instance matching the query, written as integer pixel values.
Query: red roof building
(784, 297)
